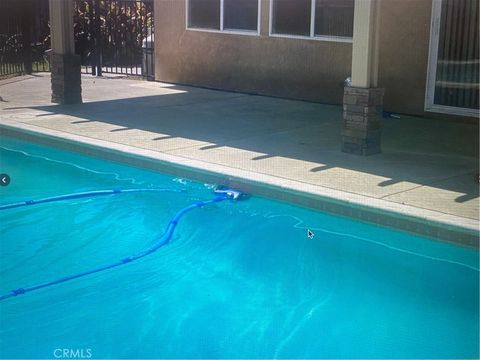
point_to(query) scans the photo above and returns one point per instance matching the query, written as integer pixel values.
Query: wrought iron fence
(24, 36)
(115, 36)
(111, 36)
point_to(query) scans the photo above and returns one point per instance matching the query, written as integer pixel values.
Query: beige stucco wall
(302, 69)
(403, 53)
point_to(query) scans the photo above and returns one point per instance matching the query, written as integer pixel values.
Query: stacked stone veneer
(66, 80)
(362, 120)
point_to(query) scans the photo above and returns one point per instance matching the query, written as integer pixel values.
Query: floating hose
(221, 195)
(81, 195)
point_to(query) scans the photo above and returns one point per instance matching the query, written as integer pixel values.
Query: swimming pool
(238, 279)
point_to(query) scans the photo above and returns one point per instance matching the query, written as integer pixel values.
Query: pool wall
(431, 224)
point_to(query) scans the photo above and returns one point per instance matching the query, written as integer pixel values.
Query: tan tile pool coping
(432, 224)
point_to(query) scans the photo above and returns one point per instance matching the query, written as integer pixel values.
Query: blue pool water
(238, 279)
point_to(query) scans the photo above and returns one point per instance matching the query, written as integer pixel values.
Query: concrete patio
(426, 163)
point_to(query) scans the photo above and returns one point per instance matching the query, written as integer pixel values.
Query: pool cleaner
(229, 193)
(221, 194)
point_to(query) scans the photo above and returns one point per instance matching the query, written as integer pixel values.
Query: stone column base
(362, 120)
(66, 80)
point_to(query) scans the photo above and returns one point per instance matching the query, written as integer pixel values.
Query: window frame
(331, 38)
(222, 30)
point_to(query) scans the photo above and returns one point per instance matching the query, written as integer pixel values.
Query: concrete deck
(426, 164)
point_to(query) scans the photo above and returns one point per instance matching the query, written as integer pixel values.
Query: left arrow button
(4, 179)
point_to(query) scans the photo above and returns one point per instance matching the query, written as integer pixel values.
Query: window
(240, 14)
(291, 17)
(223, 15)
(334, 18)
(204, 14)
(324, 19)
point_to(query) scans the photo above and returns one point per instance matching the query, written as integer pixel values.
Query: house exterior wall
(403, 54)
(302, 69)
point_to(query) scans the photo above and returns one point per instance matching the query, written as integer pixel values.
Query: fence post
(26, 26)
(92, 57)
(98, 37)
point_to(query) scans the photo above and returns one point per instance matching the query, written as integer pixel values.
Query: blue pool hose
(221, 195)
(80, 195)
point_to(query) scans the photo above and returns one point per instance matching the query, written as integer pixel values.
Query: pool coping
(424, 222)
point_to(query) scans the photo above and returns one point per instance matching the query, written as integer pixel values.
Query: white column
(61, 26)
(365, 44)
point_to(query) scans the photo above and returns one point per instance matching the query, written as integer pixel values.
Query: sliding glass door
(453, 74)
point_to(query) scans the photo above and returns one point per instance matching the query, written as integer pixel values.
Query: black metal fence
(111, 36)
(115, 36)
(24, 36)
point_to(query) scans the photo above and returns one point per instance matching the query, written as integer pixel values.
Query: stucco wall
(403, 53)
(302, 69)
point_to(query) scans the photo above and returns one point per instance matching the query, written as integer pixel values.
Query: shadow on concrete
(415, 150)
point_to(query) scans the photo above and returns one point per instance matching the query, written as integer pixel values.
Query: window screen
(334, 17)
(240, 14)
(204, 14)
(291, 17)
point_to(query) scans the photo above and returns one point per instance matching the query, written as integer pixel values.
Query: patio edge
(428, 223)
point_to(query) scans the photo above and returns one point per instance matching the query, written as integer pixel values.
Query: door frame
(430, 106)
